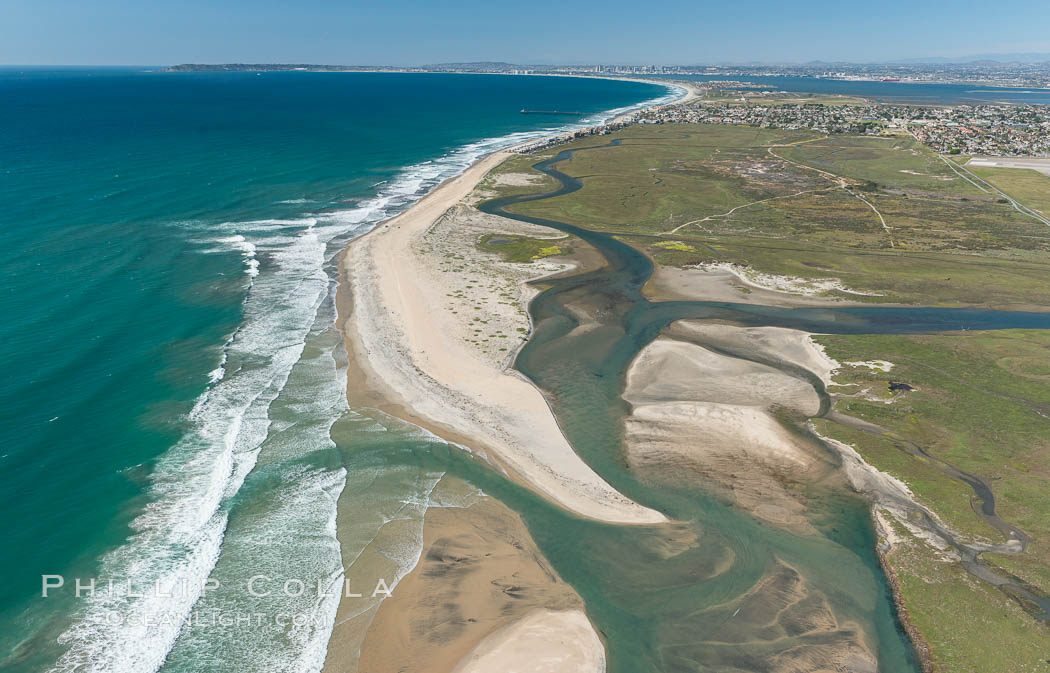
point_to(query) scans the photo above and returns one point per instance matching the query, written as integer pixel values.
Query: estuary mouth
(796, 565)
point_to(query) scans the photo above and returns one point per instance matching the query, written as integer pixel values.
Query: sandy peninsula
(431, 324)
(417, 356)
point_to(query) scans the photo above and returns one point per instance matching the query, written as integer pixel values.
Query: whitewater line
(180, 534)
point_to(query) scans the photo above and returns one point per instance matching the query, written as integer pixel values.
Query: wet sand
(414, 352)
(413, 356)
(480, 584)
(696, 411)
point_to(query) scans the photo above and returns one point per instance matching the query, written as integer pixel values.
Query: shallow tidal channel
(721, 591)
(716, 589)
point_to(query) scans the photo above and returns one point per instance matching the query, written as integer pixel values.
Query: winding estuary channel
(715, 589)
(720, 603)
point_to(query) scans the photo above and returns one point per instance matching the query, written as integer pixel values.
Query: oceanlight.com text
(215, 618)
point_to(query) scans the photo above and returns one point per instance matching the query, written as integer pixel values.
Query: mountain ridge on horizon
(1006, 58)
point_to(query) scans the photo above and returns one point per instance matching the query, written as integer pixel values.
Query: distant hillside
(269, 67)
(475, 65)
(1018, 57)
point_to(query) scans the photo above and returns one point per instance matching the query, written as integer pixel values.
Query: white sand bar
(543, 642)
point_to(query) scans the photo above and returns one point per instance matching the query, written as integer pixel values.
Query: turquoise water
(170, 371)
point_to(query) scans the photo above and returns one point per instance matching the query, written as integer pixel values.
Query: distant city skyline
(412, 32)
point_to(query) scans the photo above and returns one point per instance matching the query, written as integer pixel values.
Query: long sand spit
(410, 353)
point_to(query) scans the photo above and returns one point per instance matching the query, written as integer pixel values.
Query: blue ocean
(170, 368)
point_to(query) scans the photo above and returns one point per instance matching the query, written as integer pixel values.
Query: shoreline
(882, 551)
(379, 274)
(991, 84)
(660, 398)
(479, 574)
(424, 213)
(381, 289)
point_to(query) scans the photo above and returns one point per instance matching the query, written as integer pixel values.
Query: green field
(1031, 188)
(970, 627)
(732, 193)
(795, 203)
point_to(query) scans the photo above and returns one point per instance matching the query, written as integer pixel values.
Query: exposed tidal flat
(762, 566)
(181, 427)
(626, 552)
(644, 175)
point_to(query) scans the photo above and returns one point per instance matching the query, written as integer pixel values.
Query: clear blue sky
(406, 32)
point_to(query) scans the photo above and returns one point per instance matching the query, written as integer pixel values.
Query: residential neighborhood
(998, 130)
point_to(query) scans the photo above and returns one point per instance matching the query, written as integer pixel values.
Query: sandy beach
(416, 356)
(431, 324)
(431, 341)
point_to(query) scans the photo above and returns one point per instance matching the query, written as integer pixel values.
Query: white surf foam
(178, 537)
(248, 249)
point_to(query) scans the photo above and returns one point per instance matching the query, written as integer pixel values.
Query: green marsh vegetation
(787, 203)
(981, 402)
(970, 626)
(732, 194)
(523, 249)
